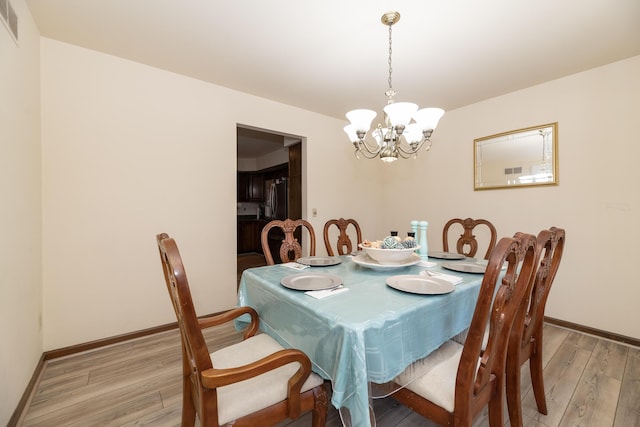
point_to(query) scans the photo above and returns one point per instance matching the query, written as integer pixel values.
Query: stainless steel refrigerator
(277, 199)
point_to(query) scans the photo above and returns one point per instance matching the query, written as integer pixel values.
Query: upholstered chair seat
(435, 375)
(248, 396)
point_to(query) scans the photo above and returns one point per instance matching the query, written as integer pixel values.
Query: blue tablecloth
(369, 333)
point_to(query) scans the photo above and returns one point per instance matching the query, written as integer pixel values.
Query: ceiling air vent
(9, 18)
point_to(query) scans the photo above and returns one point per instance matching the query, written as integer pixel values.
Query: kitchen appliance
(276, 204)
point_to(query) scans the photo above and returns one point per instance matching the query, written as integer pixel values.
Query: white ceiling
(330, 56)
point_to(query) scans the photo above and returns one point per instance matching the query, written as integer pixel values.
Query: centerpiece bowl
(389, 256)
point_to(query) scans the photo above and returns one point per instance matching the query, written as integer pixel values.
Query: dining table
(363, 333)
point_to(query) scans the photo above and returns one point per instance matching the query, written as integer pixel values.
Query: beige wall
(20, 215)
(130, 151)
(597, 201)
(121, 121)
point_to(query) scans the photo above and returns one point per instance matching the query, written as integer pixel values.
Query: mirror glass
(519, 158)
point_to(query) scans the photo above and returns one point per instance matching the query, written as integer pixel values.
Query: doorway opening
(269, 186)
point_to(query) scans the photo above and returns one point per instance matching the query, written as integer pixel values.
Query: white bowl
(389, 256)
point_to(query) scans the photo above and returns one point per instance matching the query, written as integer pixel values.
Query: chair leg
(514, 398)
(188, 410)
(319, 413)
(495, 409)
(537, 379)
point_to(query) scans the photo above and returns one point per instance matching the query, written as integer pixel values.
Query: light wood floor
(589, 382)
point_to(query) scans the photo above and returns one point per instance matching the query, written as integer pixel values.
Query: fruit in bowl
(391, 250)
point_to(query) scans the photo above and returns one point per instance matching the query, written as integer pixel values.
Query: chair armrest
(213, 378)
(234, 313)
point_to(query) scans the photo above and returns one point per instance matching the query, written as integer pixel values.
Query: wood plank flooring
(589, 382)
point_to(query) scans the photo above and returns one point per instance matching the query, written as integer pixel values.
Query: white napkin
(448, 277)
(295, 265)
(327, 292)
(428, 264)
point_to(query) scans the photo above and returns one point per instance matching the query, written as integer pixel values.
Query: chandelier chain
(390, 68)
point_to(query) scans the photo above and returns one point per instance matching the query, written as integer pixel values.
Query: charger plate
(446, 255)
(311, 281)
(466, 267)
(319, 261)
(417, 284)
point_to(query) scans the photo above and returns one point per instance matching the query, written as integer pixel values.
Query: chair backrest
(467, 244)
(344, 245)
(481, 371)
(550, 246)
(290, 248)
(195, 354)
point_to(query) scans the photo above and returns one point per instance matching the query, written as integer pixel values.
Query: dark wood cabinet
(255, 191)
(250, 187)
(249, 235)
(243, 183)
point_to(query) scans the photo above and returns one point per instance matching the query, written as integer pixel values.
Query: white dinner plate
(366, 261)
(311, 281)
(446, 255)
(417, 284)
(465, 267)
(319, 261)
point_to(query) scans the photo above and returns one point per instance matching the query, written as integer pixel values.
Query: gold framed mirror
(519, 158)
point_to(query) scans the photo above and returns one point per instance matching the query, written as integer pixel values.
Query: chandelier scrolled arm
(391, 142)
(363, 148)
(407, 129)
(415, 147)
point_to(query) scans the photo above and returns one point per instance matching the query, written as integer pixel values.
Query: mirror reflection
(523, 157)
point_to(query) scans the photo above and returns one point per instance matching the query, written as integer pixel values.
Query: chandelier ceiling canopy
(406, 129)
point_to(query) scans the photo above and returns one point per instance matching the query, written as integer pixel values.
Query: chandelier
(407, 129)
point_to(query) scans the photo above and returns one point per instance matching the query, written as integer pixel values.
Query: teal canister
(414, 229)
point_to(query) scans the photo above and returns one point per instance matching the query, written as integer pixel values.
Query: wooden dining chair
(452, 385)
(526, 337)
(467, 244)
(290, 248)
(344, 245)
(252, 383)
